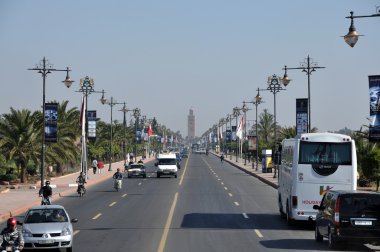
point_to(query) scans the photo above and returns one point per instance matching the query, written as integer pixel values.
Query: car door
(325, 214)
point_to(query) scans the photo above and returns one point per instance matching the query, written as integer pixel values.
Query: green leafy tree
(20, 139)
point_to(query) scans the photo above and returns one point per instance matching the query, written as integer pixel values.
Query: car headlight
(66, 231)
(26, 232)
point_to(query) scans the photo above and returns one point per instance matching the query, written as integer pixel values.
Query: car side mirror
(74, 220)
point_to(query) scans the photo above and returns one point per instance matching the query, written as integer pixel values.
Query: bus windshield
(325, 153)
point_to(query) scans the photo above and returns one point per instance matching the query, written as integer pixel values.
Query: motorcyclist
(118, 176)
(81, 180)
(46, 192)
(11, 236)
(221, 158)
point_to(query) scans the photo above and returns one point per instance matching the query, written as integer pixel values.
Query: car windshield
(167, 161)
(45, 215)
(363, 204)
(136, 166)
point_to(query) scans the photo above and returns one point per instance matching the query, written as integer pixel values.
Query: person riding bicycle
(46, 192)
(11, 236)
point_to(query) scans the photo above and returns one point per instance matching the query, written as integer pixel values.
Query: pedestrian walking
(100, 166)
(94, 165)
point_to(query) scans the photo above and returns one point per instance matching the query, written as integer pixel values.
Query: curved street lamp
(352, 37)
(308, 66)
(45, 68)
(124, 110)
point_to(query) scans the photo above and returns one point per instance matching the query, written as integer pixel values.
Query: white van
(166, 164)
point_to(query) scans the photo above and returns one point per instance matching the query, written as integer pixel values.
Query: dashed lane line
(245, 216)
(124, 195)
(76, 232)
(258, 233)
(230, 194)
(236, 203)
(97, 216)
(113, 203)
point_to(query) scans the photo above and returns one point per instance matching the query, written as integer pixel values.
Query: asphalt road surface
(211, 206)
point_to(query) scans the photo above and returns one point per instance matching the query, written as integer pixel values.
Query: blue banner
(374, 109)
(138, 136)
(51, 122)
(91, 124)
(301, 115)
(228, 136)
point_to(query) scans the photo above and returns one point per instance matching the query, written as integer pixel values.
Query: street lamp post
(308, 66)
(124, 110)
(274, 86)
(136, 114)
(236, 113)
(256, 102)
(86, 87)
(229, 116)
(245, 109)
(111, 103)
(221, 122)
(353, 36)
(44, 68)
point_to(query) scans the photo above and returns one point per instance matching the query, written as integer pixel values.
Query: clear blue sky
(167, 56)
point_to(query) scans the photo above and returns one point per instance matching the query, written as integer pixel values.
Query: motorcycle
(10, 249)
(81, 189)
(45, 200)
(117, 184)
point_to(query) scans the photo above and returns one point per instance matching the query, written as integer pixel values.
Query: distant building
(191, 125)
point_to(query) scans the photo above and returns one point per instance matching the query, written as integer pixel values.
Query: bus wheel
(282, 214)
(288, 217)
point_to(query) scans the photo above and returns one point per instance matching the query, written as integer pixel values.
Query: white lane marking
(245, 216)
(218, 179)
(230, 194)
(225, 188)
(221, 183)
(140, 184)
(124, 195)
(236, 203)
(168, 224)
(97, 216)
(113, 203)
(76, 232)
(258, 233)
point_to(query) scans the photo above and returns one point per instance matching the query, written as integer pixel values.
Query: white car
(48, 227)
(166, 165)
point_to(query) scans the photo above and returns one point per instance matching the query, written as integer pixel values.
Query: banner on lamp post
(138, 136)
(91, 124)
(301, 115)
(374, 107)
(51, 122)
(252, 143)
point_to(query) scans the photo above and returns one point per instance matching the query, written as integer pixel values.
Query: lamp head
(352, 37)
(68, 82)
(103, 100)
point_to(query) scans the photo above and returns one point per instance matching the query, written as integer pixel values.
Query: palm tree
(266, 128)
(287, 132)
(20, 139)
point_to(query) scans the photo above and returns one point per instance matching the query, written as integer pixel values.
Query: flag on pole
(81, 117)
(150, 131)
(239, 131)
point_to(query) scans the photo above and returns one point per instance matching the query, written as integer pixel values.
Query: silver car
(48, 227)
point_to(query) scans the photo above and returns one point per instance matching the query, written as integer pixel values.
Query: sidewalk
(16, 201)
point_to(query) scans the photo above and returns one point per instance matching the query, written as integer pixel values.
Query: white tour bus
(311, 164)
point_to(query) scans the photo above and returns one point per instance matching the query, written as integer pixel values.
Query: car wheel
(318, 237)
(129, 176)
(175, 176)
(158, 175)
(70, 249)
(144, 176)
(332, 241)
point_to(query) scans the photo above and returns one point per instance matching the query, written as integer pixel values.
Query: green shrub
(8, 177)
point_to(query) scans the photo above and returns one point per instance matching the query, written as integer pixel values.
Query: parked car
(48, 227)
(136, 170)
(348, 216)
